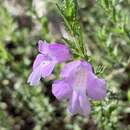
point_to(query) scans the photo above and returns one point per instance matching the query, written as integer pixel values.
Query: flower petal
(61, 90)
(43, 47)
(87, 65)
(79, 104)
(96, 88)
(72, 67)
(69, 68)
(74, 103)
(84, 104)
(35, 76)
(47, 68)
(38, 60)
(44, 69)
(59, 52)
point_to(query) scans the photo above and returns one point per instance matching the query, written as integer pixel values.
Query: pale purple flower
(49, 56)
(78, 83)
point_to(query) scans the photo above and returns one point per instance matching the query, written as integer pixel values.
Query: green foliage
(7, 28)
(69, 12)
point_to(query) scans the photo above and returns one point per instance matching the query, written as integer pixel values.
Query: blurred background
(22, 24)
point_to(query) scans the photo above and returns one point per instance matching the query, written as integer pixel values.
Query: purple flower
(50, 55)
(78, 83)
